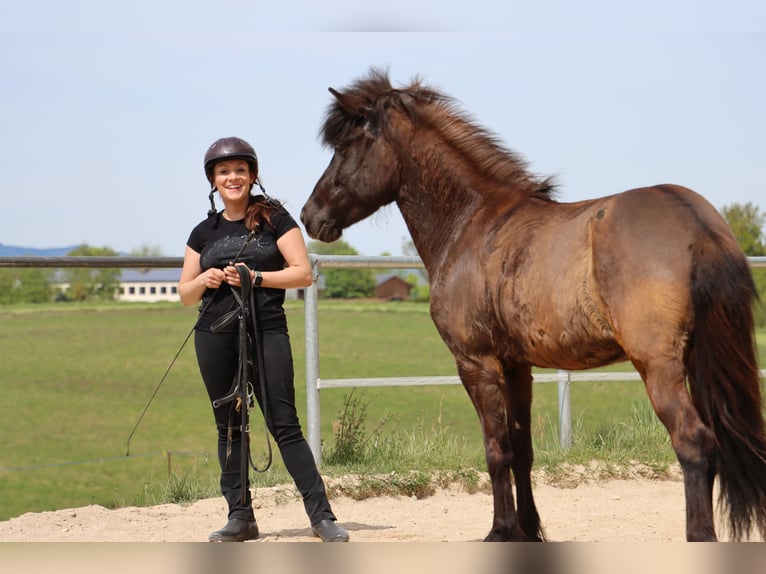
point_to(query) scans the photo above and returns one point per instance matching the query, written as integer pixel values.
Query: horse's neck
(434, 223)
(437, 205)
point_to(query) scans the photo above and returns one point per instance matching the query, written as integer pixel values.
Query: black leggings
(217, 356)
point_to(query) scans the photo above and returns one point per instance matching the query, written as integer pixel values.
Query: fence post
(311, 311)
(565, 410)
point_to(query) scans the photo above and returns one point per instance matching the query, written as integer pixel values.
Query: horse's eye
(341, 146)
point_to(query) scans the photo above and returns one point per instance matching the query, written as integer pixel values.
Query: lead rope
(202, 312)
(239, 396)
(249, 304)
(260, 372)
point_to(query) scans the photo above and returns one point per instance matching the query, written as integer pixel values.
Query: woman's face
(232, 179)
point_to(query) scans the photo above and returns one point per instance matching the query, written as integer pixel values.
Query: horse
(652, 275)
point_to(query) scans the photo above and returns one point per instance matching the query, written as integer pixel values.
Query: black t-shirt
(218, 241)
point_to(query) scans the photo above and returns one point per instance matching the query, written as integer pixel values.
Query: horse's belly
(569, 341)
(577, 359)
(552, 329)
(564, 350)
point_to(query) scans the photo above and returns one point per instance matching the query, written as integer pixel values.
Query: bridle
(240, 394)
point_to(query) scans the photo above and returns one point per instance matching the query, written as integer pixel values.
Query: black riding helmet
(230, 148)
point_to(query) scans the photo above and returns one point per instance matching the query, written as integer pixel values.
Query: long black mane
(428, 107)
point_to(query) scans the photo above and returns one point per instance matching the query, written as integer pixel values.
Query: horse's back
(648, 244)
(657, 234)
(660, 218)
(590, 283)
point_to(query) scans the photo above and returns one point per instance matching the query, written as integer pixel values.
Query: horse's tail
(724, 380)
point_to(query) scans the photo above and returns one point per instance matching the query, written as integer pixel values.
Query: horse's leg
(484, 382)
(519, 404)
(693, 441)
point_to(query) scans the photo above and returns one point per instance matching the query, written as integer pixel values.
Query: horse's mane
(425, 105)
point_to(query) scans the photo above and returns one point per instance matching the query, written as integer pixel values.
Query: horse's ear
(353, 105)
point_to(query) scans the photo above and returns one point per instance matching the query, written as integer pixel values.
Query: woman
(276, 257)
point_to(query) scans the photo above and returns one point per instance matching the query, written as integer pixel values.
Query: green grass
(75, 379)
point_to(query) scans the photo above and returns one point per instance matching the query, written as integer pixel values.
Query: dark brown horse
(652, 275)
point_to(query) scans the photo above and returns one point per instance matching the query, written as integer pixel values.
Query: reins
(240, 396)
(202, 312)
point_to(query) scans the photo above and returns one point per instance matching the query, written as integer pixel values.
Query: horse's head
(363, 174)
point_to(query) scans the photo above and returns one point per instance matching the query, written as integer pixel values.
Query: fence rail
(117, 261)
(311, 309)
(314, 383)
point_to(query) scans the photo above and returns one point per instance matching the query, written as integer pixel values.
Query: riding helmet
(230, 148)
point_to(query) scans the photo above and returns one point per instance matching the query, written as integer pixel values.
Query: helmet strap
(212, 210)
(269, 199)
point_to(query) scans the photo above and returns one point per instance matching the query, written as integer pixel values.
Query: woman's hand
(231, 274)
(213, 278)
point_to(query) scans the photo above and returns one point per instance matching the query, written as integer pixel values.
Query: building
(161, 284)
(149, 285)
(152, 285)
(392, 288)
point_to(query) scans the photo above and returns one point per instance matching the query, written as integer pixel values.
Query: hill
(14, 251)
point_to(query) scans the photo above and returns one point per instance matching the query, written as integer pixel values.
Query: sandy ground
(631, 526)
(637, 510)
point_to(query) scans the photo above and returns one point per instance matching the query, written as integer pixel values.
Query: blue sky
(106, 108)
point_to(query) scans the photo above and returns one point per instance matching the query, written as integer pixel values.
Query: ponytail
(260, 208)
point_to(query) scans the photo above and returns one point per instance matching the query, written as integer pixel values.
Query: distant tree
(25, 285)
(36, 285)
(343, 283)
(146, 251)
(747, 222)
(8, 281)
(89, 283)
(421, 290)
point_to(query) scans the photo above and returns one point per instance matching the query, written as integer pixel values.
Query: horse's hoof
(504, 535)
(704, 537)
(495, 537)
(510, 535)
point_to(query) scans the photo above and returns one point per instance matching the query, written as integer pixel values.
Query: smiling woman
(254, 235)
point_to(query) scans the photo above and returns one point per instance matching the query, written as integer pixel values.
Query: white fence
(314, 383)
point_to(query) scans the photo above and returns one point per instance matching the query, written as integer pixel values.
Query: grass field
(75, 379)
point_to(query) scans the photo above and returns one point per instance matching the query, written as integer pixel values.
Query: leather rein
(241, 394)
